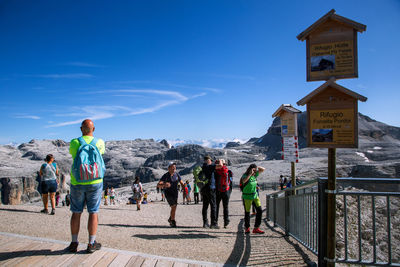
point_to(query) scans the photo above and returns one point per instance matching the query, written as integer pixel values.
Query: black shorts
(49, 186)
(172, 199)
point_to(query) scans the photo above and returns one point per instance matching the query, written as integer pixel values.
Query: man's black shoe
(173, 223)
(73, 247)
(214, 226)
(206, 225)
(93, 247)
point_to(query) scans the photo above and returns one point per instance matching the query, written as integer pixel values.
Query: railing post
(274, 211)
(322, 222)
(267, 201)
(287, 193)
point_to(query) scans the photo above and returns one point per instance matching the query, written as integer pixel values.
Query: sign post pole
(293, 167)
(331, 210)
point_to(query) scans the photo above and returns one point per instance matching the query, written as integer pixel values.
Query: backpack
(243, 185)
(201, 180)
(223, 179)
(88, 164)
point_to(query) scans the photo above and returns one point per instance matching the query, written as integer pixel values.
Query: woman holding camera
(248, 184)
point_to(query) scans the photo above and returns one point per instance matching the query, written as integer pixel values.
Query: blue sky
(176, 69)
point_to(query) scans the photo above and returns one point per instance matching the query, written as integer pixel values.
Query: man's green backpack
(199, 177)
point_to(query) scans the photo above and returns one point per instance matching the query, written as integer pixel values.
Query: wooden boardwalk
(19, 250)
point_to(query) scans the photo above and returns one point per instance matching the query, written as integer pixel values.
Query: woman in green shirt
(249, 195)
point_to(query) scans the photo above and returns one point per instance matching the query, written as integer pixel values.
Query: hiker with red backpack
(222, 192)
(248, 185)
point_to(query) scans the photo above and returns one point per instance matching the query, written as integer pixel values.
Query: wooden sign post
(332, 111)
(288, 116)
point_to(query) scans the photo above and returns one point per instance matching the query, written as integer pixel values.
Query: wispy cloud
(168, 84)
(105, 112)
(232, 76)
(33, 117)
(62, 76)
(223, 76)
(83, 64)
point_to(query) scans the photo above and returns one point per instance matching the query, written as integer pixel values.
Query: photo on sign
(321, 63)
(284, 129)
(322, 135)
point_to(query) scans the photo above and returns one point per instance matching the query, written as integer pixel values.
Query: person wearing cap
(250, 195)
(48, 184)
(209, 195)
(169, 182)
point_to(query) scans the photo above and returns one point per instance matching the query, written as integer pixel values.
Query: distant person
(137, 192)
(250, 195)
(169, 182)
(67, 199)
(284, 183)
(222, 192)
(112, 196)
(196, 181)
(106, 196)
(209, 195)
(57, 198)
(48, 174)
(162, 194)
(189, 190)
(86, 186)
(185, 193)
(195, 193)
(281, 182)
(144, 197)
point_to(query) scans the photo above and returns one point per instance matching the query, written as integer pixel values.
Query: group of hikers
(213, 181)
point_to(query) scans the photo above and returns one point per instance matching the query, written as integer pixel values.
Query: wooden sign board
(288, 124)
(332, 48)
(288, 117)
(332, 116)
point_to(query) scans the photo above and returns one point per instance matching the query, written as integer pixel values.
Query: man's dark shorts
(49, 186)
(172, 199)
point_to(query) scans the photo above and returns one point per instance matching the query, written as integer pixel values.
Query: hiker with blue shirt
(48, 174)
(87, 174)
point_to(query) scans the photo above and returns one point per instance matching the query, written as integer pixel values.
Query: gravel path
(147, 231)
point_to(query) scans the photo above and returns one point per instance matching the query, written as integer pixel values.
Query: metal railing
(296, 214)
(367, 219)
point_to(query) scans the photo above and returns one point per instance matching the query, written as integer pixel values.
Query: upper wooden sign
(332, 116)
(332, 47)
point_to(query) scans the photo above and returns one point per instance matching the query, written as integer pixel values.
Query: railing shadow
(296, 246)
(241, 250)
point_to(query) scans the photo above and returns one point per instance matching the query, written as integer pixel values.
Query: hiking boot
(173, 224)
(53, 212)
(247, 230)
(214, 226)
(93, 247)
(206, 225)
(73, 247)
(45, 211)
(257, 231)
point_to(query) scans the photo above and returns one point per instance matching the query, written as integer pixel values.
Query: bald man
(85, 192)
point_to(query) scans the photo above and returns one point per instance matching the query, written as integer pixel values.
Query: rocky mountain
(377, 156)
